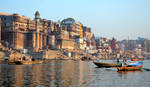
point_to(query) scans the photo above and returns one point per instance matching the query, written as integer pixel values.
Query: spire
(37, 14)
(113, 44)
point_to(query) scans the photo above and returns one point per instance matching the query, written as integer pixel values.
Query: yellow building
(73, 27)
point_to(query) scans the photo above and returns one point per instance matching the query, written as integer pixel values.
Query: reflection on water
(69, 73)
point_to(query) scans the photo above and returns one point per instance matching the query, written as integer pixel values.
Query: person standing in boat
(124, 62)
(117, 60)
(30, 58)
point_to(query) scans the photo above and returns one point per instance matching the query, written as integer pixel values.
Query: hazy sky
(107, 18)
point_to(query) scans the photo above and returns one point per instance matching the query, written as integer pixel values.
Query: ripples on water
(69, 73)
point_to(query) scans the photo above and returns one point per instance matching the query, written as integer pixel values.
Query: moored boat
(32, 62)
(14, 62)
(107, 65)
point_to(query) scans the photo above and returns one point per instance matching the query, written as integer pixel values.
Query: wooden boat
(32, 62)
(85, 58)
(14, 63)
(131, 66)
(106, 65)
(24, 62)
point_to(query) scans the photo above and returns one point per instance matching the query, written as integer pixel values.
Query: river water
(69, 73)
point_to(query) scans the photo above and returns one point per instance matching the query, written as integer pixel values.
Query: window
(4, 24)
(4, 18)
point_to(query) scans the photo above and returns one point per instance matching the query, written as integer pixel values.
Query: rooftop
(5, 14)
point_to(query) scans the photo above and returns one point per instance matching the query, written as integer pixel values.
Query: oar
(146, 69)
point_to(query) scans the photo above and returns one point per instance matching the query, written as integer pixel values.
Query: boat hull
(107, 65)
(14, 63)
(31, 62)
(132, 68)
(137, 59)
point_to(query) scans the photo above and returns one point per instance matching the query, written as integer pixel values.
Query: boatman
(117, 60)
(124, 62)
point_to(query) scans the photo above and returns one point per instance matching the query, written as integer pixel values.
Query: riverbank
(43, 54)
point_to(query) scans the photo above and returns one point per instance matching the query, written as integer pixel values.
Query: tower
(36, 35)
(0, 31)
(113, 44)
(37, 20)
(37, 15)
(145, 47)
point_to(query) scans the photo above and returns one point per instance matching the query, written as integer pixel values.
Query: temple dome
(69, 21)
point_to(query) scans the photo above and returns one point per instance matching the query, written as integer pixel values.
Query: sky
(107, 18)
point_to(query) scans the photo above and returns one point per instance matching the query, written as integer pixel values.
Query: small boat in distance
(25, 62)
(137, 58)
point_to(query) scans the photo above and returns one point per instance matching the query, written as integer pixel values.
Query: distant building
(113, 44)
(87, 33)
(103, 44)
(64, 42)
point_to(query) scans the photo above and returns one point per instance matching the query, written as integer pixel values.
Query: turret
(37, 20)
(0, 31)
(37, 15)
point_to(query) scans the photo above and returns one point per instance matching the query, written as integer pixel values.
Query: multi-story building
(73, 27)
(63, 40)
(20, 32)
(75, 30)
(87, 33)
(103, 44)
(113, 44)
(23, 33)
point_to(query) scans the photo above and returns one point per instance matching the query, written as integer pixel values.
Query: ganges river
(70, 73)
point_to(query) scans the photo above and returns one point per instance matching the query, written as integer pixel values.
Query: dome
(69, 21)
(15, 14)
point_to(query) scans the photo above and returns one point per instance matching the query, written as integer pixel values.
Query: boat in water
(25, 62)
(132, 66)
(85, 58)
(106, 65)
(137, 59)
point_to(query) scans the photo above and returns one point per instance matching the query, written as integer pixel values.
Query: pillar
(0, 31)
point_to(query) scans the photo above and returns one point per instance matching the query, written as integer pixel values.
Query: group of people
(25, 58)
